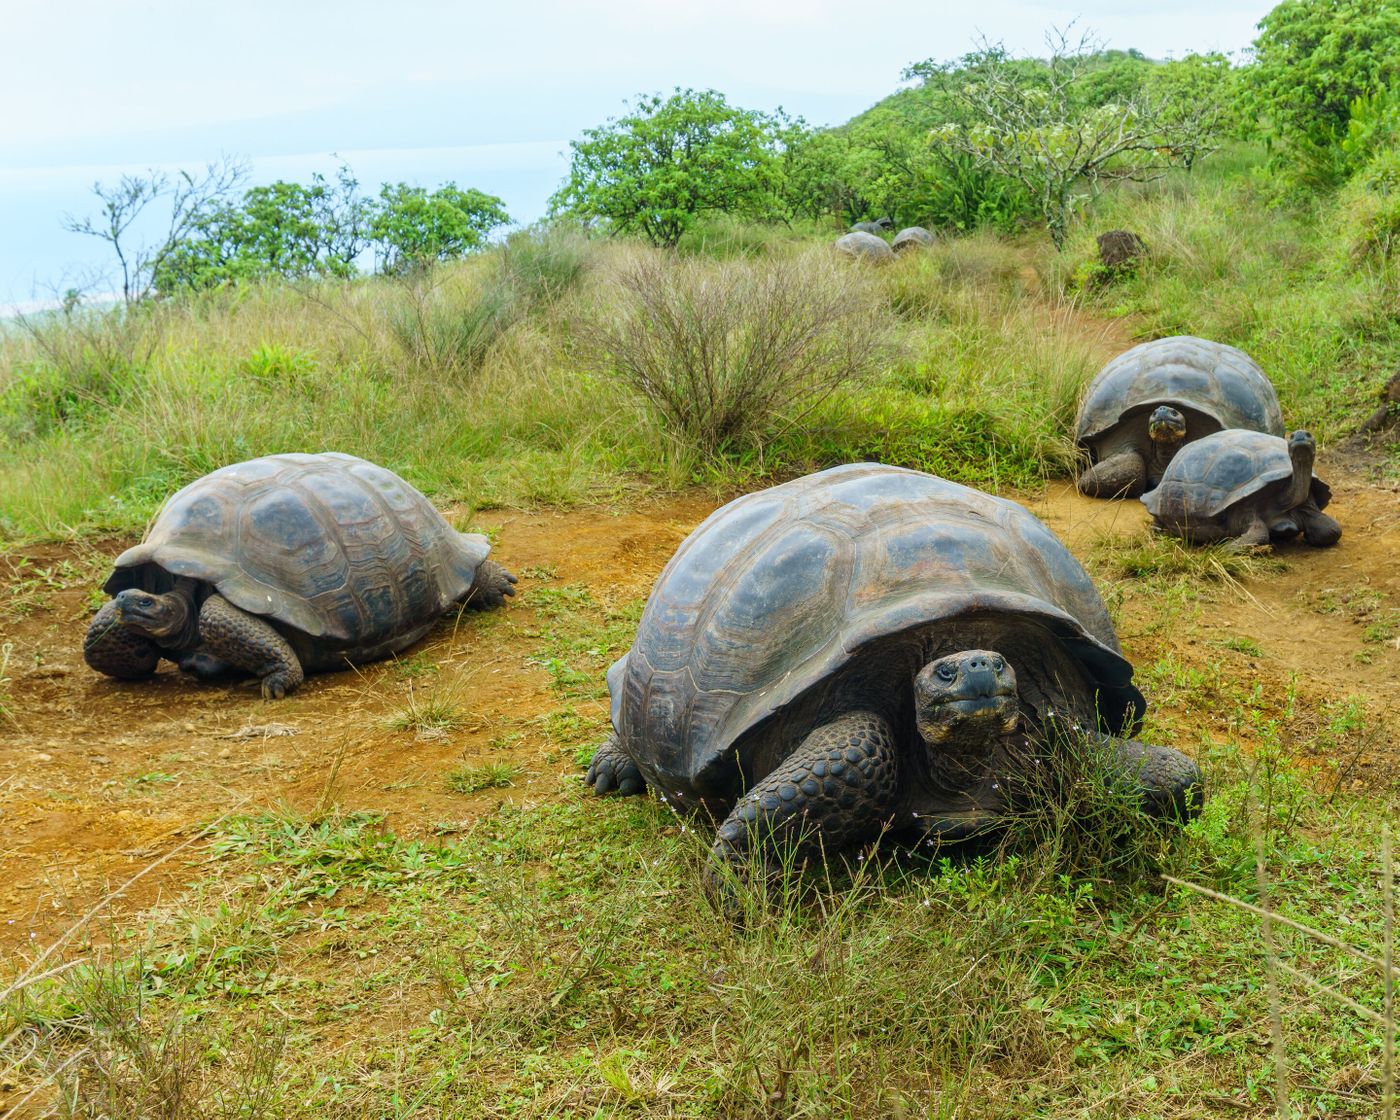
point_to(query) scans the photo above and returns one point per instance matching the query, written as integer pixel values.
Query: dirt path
(98, 778)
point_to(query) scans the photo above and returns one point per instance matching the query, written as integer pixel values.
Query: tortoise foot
(1319, 530)
(833, 792)
(247, 642)
(1119, 476)
(612, 769)
(493, 584)
(1169, 784)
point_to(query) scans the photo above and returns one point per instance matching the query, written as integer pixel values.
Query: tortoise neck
(1302, 453)
(184, 608)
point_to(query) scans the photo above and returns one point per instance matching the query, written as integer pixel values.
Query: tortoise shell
(865, 246)
(1187, 373)
(1221, 470)
(912, 237)
(333, 546)
(778, 590)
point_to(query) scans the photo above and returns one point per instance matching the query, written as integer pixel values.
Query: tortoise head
(1302, 450)
(157, 616)
(965, 699)
(1166, 425)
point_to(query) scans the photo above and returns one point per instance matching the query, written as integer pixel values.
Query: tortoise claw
(612, 770)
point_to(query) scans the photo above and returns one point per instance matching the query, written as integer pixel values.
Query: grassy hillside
(494, 380)
(551, 955)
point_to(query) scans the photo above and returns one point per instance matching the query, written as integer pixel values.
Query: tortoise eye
(945, 672)
(998, 664)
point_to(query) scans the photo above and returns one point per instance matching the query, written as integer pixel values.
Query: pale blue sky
(488, 95)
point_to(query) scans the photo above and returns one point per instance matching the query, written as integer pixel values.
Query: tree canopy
(1314, 58)
(671, 160)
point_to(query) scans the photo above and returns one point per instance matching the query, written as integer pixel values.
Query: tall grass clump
(444, 324)
(729, 352)
(541, 265)
(1281, 282)
(446, 321)
(109, 1047)
(70, 365)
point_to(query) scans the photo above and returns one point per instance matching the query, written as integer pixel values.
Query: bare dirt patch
(100, 778)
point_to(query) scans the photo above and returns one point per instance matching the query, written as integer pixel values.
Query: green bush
(1368, 211)
(671, 160)
(722, 350)
(1312, 60)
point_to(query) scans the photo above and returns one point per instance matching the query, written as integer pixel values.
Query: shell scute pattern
(330, 545)
(1219, 381)
(1210, 476)
(778, 590)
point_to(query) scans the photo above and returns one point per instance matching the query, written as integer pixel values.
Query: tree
(1037, 125)
(191, 199)
(283, 229)
(1313, 58)
(658, 168)
(1199, 88)
(411, 226)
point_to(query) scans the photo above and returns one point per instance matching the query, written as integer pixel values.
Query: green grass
(1160, 560)
(490, 775)
(105, 414)
(561, 960)
(581, 637)
(476, 385)
(7, 714)
(556, 957)
(425, 714)
(1228, 264)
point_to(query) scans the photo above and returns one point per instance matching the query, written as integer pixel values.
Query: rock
(1119, 251)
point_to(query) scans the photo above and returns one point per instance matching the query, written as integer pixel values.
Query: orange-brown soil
(100, 778)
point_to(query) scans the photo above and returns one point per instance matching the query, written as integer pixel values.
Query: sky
(487, 95)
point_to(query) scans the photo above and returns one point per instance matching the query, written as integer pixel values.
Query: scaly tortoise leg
(834, 791)
(613, 769)
(247, 642)
(1169, 783)
(114, 649)
(1319, 530)
(1255, 535)
(1119, 476)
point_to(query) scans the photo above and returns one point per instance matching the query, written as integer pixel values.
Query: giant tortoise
(912, 237)
(1150, 401)
(287, 565)
(870, 648)
(1245, 488)
(878, 226)
(866, 247)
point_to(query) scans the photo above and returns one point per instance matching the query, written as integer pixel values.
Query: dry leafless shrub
(729, 351)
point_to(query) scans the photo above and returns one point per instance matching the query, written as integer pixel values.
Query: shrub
(1312, 59)
(722, 349)
(446, 329)
(673, 159)
(1368, 210)
(542, 264)
(76, 364)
